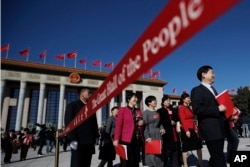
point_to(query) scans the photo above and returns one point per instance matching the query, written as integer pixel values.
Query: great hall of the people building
(38, 93)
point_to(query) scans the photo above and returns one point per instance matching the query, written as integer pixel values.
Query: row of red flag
(70, 55)
(152, 74)
(73, 55)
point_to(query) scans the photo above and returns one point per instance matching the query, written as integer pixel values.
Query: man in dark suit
(82, 138)
(211, 118)
(107, 150)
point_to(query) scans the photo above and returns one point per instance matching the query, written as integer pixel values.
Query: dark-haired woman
(189, 131)
(128, 121)
(169, 120)
(26, 140)
(107, 152)
(152, 131)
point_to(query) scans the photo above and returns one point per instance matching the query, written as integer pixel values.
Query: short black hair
(203, 69)
(130, 95)
(26, 129)
(80, 89)
(149, 99)
(165, 97)
(113, 108)
(183, 96)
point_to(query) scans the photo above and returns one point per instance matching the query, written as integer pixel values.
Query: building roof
(17, 65)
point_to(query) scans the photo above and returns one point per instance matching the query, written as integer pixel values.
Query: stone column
(3, 82)
(40, 103)
(4, 115)
(26, 106)
(123, 98)
(111, 105)
(6, 102)
(61, 107)
(99, 117)
(144, 95)
(20, 106)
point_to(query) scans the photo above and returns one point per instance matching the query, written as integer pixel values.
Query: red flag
(72, 55)
(5, 48)
(24, 52)
(83, 61)
(108, 65)
(43, 54)
(174, 90)
(97, 63)
(155, 74)
(60, 57)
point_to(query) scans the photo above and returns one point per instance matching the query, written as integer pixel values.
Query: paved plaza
(64, 157)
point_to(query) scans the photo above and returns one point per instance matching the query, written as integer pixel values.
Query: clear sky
(106, 30)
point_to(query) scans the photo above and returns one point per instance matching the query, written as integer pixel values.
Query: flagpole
(101, 67)
(7, 51)
(75, 61)
(85, 65)
(64, 60)
(27, 58)
(44, 60)
(7, 54)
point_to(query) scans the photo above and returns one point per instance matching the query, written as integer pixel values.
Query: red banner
(176, 23)
(148, 72)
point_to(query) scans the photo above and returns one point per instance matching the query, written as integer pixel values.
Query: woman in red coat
(127, 130)
(189, 131)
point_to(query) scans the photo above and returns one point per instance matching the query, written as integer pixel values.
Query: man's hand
(74, 145)
(222, 108)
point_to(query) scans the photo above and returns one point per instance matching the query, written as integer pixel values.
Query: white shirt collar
(208, 86)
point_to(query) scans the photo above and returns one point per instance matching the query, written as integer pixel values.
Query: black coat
(211, 122)
(169, 138)
(85, 133)
(107, 150)
(110, 126)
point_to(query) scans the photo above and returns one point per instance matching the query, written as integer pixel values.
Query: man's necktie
(214, 90)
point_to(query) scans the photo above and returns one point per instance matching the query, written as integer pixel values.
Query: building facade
(38, 93)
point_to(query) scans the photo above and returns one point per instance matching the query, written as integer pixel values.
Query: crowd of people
(14, 142)
(198, 119)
